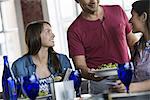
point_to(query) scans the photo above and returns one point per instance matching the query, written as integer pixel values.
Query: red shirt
(101, 42)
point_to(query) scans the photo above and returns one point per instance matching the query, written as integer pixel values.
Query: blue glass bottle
(8, 83)
(12, 89)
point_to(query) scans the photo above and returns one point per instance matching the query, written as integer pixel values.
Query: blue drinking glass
(125, 74)
(18, 88)
(76, 77)
(30, 86)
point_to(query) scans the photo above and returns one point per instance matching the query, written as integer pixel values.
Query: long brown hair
(140, 7)
(33, 41)
(143, 6)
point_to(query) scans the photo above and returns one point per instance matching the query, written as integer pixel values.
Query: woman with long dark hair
(41, 59)
(140, 22)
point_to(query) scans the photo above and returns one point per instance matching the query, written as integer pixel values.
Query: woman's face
(47, 36)
(89, 6)
(136, 22)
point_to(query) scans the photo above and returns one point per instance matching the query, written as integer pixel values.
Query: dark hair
(142, 6)
(33, 41)
(77, 1)
(32, 36)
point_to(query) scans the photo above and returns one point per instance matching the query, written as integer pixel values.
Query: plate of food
(44, 96)
(106, 70)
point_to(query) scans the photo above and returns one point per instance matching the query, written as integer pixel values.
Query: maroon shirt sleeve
(128, 26)
(74, 44)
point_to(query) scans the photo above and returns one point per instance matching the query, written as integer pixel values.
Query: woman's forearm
(140, 86)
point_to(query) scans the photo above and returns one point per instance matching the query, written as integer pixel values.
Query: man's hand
(80, 63)
(87, 74)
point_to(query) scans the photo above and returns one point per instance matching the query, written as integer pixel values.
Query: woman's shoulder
(23, 66)
(21, 60)
(61, 56)
(64, 60)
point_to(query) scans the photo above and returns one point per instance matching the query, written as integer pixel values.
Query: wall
(27, 11)
(31, 10)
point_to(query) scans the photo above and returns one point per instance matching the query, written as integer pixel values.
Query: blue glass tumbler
(76, 77)
(125, 74)
(30, 86)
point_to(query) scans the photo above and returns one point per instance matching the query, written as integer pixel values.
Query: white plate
(105, 72)
(37, 98)
(42, 97)
(104, 69)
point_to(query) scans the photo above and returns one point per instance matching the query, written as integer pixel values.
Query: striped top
(44, 84)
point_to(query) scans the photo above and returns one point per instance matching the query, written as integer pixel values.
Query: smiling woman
(141, 53)
(41, 59)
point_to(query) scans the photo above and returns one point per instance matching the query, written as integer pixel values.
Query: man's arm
(80, 63)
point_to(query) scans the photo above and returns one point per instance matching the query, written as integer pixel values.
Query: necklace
(148, 43)
(146, 51)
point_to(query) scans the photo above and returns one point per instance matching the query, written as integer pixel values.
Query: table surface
(117, 96)
(114, 96)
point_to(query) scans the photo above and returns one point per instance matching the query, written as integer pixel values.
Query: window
(61, 14)
(9, 36)
(1, 24)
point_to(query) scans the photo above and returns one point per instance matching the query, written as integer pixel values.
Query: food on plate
(57, 78)
(43, 93)
(107, 66)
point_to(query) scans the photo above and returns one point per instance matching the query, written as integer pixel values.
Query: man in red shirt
(99, 35)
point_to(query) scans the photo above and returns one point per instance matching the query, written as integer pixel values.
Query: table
(117, 96)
